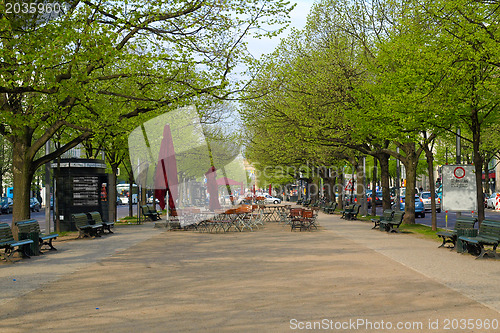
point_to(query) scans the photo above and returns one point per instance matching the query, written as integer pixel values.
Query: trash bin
(462, 246)
(32, 249)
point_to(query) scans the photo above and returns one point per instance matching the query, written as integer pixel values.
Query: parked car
(6, 205)
(270, 199)
(439, 192)
(124, 199)
(35, 205)
(419, 206)
(426, 200)
(490, 203)
(378, 198)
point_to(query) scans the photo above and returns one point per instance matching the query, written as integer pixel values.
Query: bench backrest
(96, 217)
(80, 219)
(489, 229)
(465, 223)
(398, 217)
(5, 234)
(349, 208)
(387, 215)
(356, 208)
(27, 226)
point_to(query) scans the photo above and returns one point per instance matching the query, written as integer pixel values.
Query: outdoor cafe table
(272, 213)
(225, 220)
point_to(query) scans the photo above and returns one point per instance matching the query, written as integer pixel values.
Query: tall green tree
(165, 53)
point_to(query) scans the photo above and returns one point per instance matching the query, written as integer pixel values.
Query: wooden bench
(329, 209)
(387, 216)
(149, 212)
(9, 244)
(85, 226)
(450, 236)
(32, 226)
(392, 225)
(488, 234)
(96, 217)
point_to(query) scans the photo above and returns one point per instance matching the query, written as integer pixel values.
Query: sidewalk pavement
(344, 277)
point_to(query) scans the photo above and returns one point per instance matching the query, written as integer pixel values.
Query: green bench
(32, 226)
(488, 234)
(387, 216)
(306, 203)
(85, 226)
(330, 208)
(351, 212)
(151, 213)
(347, 209)
(96, 217)
(10, 245)
(450, 236)
(393, 224)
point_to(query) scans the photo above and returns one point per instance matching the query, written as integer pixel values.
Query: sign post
(459, 188)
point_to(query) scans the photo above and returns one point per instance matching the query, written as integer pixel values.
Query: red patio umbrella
(166, 171)
(270, 189)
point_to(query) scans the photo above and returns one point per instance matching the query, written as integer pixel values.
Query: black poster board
(80, 188)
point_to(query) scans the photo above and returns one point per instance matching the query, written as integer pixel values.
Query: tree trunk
(486, 185)
(410, 162)
(478, 163)
(374, 187)
(22, 173)
(112, 212)
(430, 169)
(340, 199)
(384, 180)
(360, 188)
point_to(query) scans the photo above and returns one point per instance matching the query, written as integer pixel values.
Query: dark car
(6, 205)
(35, 205)
(378, 198)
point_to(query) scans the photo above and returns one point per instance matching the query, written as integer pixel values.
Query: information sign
(459, 188)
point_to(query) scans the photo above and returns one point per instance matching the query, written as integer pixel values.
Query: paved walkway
(344, 277)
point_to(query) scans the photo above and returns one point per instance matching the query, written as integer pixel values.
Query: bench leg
(483, 252)
(487, 252)
(447, 240)
(444, 242)
(49, 243)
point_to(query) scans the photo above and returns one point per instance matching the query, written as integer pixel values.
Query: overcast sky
(298, 20)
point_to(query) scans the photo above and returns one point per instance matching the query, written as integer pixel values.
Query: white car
(490, 203)
(271, 200)
(124, 199)
(426, 200)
